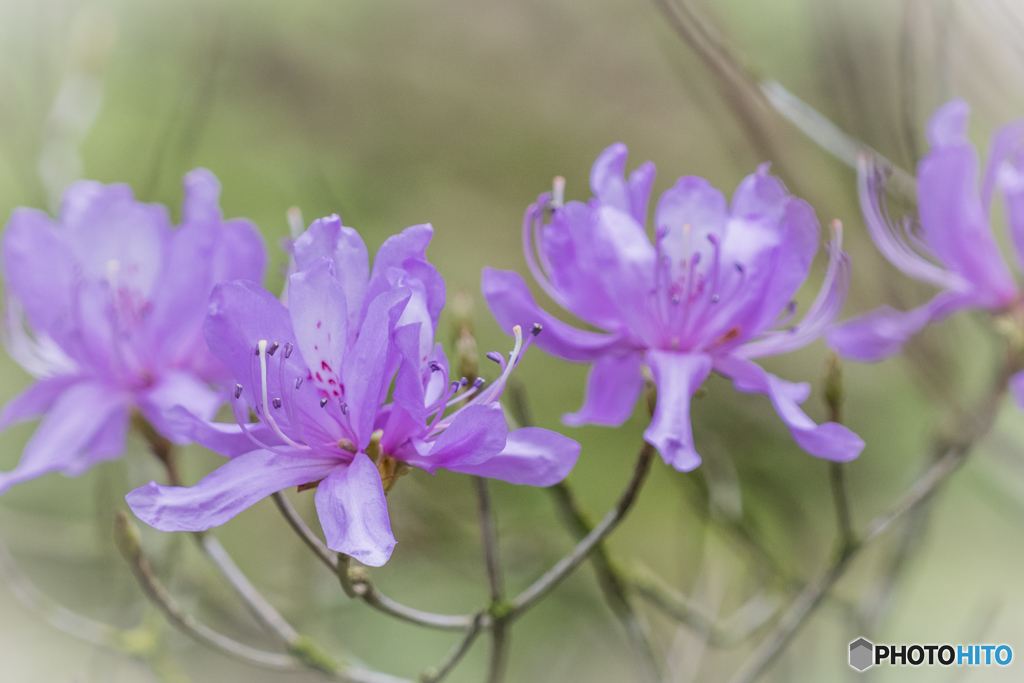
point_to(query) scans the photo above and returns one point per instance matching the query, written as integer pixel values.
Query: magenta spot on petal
(318, 324)
(325, 366)
(319, 378)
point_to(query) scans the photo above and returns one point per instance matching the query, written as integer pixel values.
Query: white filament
(262, 346)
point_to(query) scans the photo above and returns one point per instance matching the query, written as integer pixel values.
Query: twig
(211, 547)
(305, 533)
(299, 659)
(743, 623)
(490, 540)
(576, 520)
(438, 673)
(837, 477)
(920, 491)
(253, 599)
(834, 398)
(612, 583)
(791, 621)
(498, 608)
(356, 583)
(60, 617)
(750, 96)
(567, 564)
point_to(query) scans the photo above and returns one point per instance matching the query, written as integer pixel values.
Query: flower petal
(328, 237)
(105, 225)
(677, 376)
(316, 302)
(107, 444)
(952, 216)
(45, 293)
(1009, 175)
(511, 303)
(365, 370)
(882, 333)
(408, 245)
(613, 386)
(608, 181)
(354, 512)
(35, 400)
(891, 240)
(641, 181)
(65, 432)
(223, 438)
(566, 246)
(531, 456)
(827, 306)
(240, 314)
(238, 484)
(1016, 384)
(476, 433)
(623, 252)
(830, 440)
(177, 388)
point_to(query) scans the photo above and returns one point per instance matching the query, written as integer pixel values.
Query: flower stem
(920, 491)
(300, 656)
(546, 583)
(611, 581)
(499, 613)
(439, 673)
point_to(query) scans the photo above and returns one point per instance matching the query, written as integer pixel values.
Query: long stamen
(238, 412)
(493, 392)
(477, 383)
(261, 350)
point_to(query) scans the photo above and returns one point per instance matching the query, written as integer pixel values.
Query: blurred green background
(459, 113)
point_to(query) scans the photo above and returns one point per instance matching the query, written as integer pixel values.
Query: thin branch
(791, 621)
(440, 672)
(837, 477)
(291, 515)
(834, 398)
(612, 583)
(253, 599)
(58, 616)
(356, 583)
(211, 547)
(490, 540)
(750, 96)
(567, 564)
(920, 491)
(608, 578)
(300, 658)
(736, 628)
(499, 626)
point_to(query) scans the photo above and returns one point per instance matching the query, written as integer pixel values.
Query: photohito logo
(865, 654)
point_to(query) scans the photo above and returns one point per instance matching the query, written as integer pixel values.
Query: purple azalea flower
(105, 307)
(955, 249)
(705, 296)
(317, 374)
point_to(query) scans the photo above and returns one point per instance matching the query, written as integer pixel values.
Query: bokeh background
(459, 113)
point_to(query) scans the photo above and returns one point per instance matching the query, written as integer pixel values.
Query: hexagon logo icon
(861, 654)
